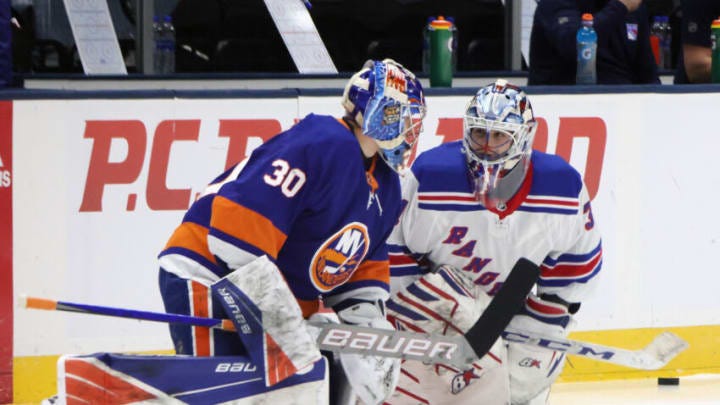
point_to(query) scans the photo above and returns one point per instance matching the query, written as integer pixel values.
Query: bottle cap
(441, 23)
(587, 17)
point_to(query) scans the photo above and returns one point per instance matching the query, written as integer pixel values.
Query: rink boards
(96, 182)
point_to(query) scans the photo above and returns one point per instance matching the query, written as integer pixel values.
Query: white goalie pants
(422, 384)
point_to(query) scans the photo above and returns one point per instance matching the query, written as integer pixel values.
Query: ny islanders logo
(337, 258)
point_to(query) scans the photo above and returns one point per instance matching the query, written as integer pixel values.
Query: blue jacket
(624, 54)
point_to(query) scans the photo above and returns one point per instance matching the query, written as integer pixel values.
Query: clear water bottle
(655, 37)
(158, 53)
(168, 45)
(661, 41)
(666, 43)
(586, 40)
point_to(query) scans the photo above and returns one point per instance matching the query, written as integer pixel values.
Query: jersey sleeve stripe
(546, 308)
(372, 270)
(190, 236)
(246, 225)
(401, 260)
(572, 257)
(209, 264)
(564, 270)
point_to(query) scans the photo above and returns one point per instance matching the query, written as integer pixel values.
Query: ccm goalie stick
(429, 348)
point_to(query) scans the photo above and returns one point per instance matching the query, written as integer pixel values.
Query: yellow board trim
(701, 357)
(34, 377)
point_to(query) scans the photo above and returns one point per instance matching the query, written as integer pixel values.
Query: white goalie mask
(498, 131)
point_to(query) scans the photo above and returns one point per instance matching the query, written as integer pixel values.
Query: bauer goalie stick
(332, 336)
(456, 350)
(416, 346)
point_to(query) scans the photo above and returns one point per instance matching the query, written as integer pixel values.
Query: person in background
(6, 65)
(695, 55)
(317, 201)
(472, 209)
(624, 55)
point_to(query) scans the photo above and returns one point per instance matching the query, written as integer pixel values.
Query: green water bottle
(715, 38)
(441, 52)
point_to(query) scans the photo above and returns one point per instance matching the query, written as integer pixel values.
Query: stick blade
(662, 349)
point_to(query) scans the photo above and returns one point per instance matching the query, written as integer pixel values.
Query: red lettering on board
(595, 130)
(240, 131)
(159, 196)
(101, 170)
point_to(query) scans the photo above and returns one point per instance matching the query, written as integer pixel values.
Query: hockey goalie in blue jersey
(473, 208)
(310, 209)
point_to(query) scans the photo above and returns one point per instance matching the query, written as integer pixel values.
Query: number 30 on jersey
(290, 180)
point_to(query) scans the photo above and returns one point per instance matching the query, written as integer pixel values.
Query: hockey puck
(668, 381)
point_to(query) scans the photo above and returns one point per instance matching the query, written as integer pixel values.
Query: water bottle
(666, 43)
(168, 48)
(441, 51)
(661, 41)
(655, 39)
(158, 53)
(715, 38)
(586, 40)
(426, 46)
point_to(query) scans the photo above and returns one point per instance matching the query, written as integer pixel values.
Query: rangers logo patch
(632, 31)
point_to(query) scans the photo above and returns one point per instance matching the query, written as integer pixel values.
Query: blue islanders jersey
(548, 221)
(306, 200)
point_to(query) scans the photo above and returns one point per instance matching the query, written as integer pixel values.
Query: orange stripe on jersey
(191, 236)
(247, 225)
(372, 270)
(201, 334)
(309, 307)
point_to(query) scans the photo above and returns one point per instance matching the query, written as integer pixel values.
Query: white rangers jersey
(548, 221)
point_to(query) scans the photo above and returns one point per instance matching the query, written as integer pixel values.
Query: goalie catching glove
(444, 302)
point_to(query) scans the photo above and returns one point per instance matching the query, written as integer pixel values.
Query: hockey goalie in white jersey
(475, 207)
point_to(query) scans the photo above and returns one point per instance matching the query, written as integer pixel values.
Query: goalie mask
(387, 102)
(498, 127)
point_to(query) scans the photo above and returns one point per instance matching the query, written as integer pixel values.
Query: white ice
(692, 390)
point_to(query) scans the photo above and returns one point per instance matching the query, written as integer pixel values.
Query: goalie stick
(331, 336)
(407, 345)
